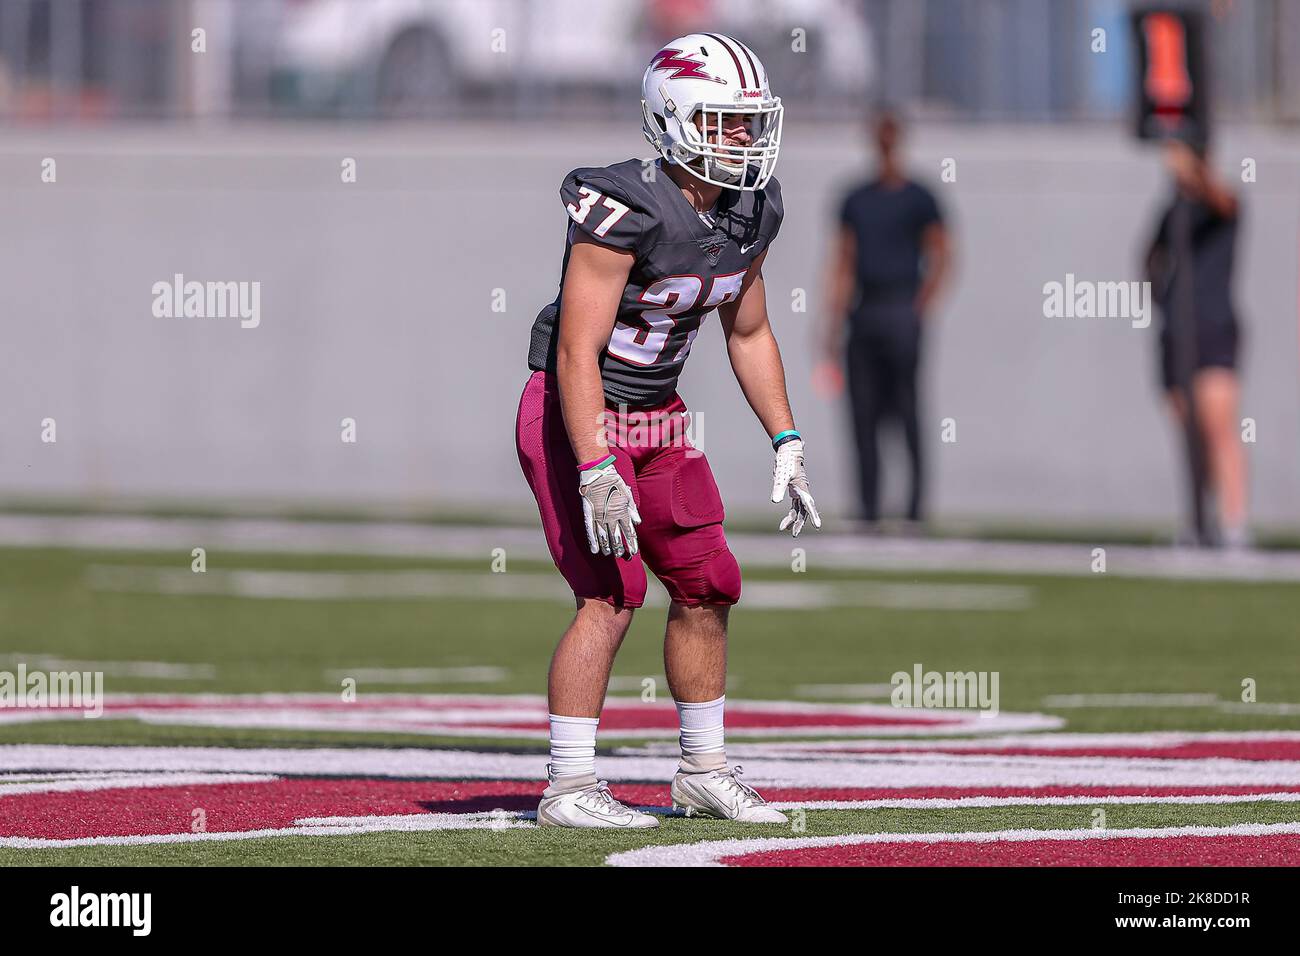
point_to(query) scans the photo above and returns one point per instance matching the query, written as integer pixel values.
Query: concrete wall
(376, 305)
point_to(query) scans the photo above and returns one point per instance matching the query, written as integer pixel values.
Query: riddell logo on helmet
(750, 94)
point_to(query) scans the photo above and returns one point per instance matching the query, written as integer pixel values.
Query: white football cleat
(721, 795)
(589, 808)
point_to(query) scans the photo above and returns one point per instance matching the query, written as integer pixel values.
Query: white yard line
(158, 670)
(874, 771)
(73, 783)
(1147, 740)
(412, 822)
(845, 691)
(421, 675)
(711, 852)
(523, 717)
(825, 550)
(433, 821)
(1063, 701)
(531, 586)
(958, 803)
(1261, 707)
(636, 684)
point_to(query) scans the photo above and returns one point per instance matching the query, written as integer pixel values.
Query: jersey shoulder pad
(612, 205)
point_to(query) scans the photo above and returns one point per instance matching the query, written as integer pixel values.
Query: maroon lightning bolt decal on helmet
(682, 67)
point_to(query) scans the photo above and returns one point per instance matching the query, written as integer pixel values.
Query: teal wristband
(788, 435)
(601, 463)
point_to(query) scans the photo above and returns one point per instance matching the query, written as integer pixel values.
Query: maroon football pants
(680, 534)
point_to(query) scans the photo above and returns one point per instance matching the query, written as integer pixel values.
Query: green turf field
(1075, 636)
(1093, 635)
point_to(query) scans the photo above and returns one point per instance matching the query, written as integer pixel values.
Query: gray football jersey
(684, 269)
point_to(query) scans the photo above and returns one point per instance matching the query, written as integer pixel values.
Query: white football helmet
(705, 77)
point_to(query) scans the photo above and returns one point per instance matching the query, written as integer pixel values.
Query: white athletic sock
(573, 746)
(701, 738)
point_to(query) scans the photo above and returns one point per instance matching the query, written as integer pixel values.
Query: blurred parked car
(398, 58)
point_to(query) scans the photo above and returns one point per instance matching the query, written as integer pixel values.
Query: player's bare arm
(756, 362)
(754, 354)
(593, 285)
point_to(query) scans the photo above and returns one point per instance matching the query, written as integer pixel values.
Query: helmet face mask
(693, 92)
(728, 162)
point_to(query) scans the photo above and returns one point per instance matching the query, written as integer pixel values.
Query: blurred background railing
(1006, 60)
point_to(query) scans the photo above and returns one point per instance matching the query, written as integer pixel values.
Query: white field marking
(430, 821)
(415, 821)
(118, 781)
(874, 771)
(7, 780)
(1056, 701)
(710, 852)
(634, 683)
(889, 595)
(1151, 740)
(1015, 557)
(27, 715)
(836, 691)
(483, 715)
(421, 675)
(526, 820)
(957, 803)
(830, 550)
(412, 821)
(1276, 710)
(160, 670)
(329, 585)
(526, 586)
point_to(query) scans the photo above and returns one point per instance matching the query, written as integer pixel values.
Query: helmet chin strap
(727, 173)
(720, 173)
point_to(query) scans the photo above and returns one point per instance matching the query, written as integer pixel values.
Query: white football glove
(788, 476)
(608, 511)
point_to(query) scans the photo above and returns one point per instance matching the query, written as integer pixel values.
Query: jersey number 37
(578, 212)
(645, 342)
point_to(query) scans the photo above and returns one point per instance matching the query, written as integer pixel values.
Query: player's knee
(604, 616)
(719, 579)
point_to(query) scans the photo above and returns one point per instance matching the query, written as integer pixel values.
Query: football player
(652, 248)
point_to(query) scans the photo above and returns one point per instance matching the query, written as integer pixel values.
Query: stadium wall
(379, 302)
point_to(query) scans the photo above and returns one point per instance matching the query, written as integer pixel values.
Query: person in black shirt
(1208, 356)
(890, 259)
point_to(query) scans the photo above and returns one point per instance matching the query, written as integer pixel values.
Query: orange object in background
(1171, 88)
(1167, 81)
